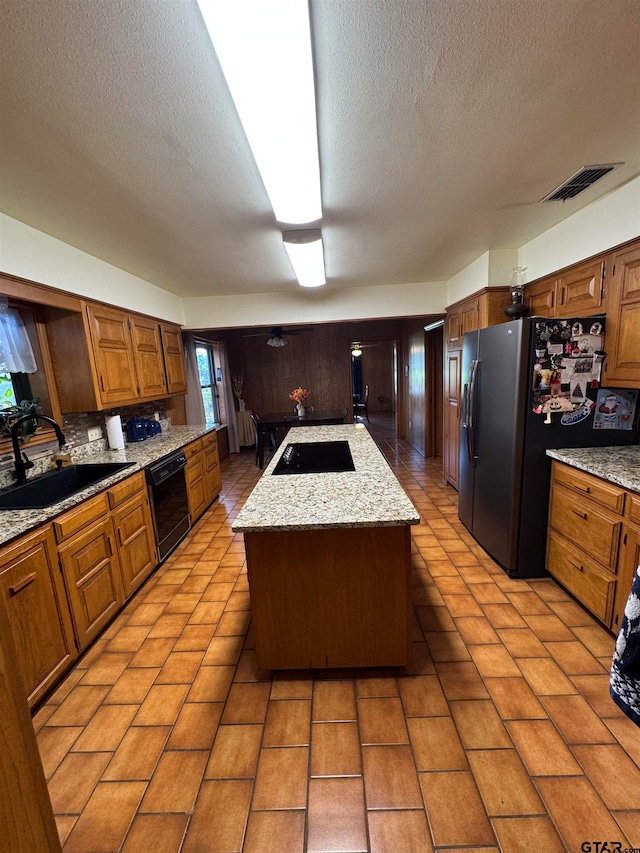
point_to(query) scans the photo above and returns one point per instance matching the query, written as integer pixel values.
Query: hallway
(166, 737)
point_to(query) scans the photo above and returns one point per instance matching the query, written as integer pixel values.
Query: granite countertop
(17, 522)
(620, 465)
(370, 496)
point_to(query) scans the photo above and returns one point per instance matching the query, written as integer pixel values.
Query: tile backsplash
(74, 427)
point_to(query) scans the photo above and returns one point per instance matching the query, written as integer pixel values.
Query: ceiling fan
(277, 333)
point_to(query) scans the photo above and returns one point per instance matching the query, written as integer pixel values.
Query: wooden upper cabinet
(114, 355)
(103, 357)
(622, 333)
(541, 297)
(470, 316)
(174, 358)
(147, 349)
(580, 290)
(453, 329)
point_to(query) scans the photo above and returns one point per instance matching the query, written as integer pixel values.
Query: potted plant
(10, 414)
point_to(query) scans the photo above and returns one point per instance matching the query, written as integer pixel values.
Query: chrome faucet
(21, 464)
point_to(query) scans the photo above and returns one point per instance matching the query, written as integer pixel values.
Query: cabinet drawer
(581, 576)
(592, 529)
(606, 494)
(76, 519)
(210, 439)
(633, 508)
(193, 448)
(121, 492)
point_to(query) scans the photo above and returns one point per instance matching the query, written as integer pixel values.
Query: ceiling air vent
(581, 181)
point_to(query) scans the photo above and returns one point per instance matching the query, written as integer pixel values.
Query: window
(209, 388)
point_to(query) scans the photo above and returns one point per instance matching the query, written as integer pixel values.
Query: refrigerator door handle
(471, 404)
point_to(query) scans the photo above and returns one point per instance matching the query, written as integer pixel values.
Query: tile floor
(501, 736)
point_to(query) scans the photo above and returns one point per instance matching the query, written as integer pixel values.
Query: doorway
(374, 363)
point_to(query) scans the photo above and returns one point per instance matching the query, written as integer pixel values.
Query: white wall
(316, 306)
(31, 254)
(611, 220)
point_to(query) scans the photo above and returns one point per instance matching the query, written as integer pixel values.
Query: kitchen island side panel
(331, 598)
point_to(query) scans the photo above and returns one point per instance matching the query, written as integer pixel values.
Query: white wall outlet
(156, 415)
(94, 433)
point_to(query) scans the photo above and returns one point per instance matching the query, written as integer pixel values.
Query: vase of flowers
(299, 397)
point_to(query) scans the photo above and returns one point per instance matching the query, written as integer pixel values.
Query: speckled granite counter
(620, 465)
(16, 522)
(370, 496)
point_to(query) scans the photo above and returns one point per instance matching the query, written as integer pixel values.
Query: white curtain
(194, 407)
(227, 390)
(16, 355)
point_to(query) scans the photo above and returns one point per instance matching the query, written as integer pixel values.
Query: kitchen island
(329, 560)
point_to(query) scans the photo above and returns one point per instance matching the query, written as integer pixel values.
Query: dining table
(269, 424)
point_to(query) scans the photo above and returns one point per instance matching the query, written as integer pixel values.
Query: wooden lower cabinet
(213, 474)
(91, 570)
(195, 475)
(32, 589)
(136, 545)
(593, 545)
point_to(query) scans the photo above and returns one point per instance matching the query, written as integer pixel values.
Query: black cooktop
(315, 457)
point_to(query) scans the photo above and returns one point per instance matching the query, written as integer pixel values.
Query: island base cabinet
(31, 586)
(331, 598)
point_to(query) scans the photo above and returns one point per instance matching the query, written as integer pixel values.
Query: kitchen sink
(54, 486)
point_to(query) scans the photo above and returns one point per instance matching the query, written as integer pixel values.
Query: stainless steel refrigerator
(515, 406)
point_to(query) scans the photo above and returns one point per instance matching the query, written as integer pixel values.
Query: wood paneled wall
(320, 361)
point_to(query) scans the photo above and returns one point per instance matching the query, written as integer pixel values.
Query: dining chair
(362, 405)
(261, 433)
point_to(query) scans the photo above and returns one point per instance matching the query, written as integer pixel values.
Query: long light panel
(264, 48)
(307, 260)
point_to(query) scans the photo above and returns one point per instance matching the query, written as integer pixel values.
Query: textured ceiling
(442, 123)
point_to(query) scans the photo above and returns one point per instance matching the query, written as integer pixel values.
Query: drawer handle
(14, 590)
(581, 514)
(586, 489)
(579, 568)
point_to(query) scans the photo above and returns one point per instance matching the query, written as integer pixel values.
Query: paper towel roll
(114, 432)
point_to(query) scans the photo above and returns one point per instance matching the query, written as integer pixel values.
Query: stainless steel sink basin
(54, 486)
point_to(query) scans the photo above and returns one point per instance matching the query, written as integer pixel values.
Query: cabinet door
(212, 466)
(174, 359)
(196, 486)
(453, 328)
(38, 612)
(541, 297)
(136, 546)
(92, 576)
(580, 290)
(470, 315)
(622, 337)
(629, 562)
(115, 365)
(147, 348)
(451, 426)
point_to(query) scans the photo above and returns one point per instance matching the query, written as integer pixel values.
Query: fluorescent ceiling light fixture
(264, 48)
(435, 325)
(306, 255)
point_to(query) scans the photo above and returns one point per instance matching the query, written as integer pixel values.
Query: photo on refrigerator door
(567, 367)
(615, 408)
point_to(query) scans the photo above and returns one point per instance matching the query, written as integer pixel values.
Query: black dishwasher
(169, 504)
